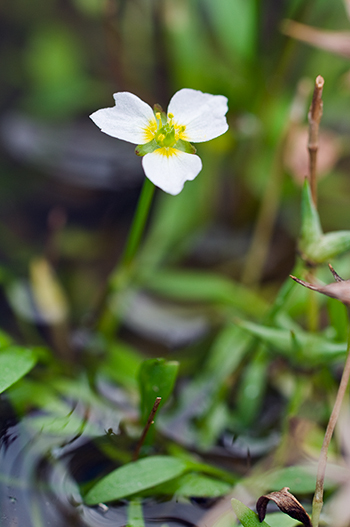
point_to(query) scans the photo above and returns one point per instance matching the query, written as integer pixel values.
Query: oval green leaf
(135, 477)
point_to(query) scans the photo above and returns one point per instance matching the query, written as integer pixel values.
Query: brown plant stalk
(317, 502)
(314, 117)
(150, 422)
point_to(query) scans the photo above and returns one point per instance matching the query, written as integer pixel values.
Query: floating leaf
(15, 362)
(135, 477)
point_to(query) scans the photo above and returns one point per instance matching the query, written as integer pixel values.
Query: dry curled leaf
(339, 290)
(287, 503)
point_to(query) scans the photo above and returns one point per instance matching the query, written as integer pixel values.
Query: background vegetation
(250, 361)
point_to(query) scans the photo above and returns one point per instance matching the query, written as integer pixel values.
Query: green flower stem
(120, 275)
(138, 224)
(322, 463)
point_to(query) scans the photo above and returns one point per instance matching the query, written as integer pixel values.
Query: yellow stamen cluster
(166, 135)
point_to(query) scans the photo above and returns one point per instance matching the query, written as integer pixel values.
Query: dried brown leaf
(339, 290)
(287, 503)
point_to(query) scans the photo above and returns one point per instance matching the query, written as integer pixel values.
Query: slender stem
(138, 224)
(318, 497)
(118, 275)
(150, 422)
(315, 114)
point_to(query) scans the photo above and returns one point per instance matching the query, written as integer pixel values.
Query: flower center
(169, 133)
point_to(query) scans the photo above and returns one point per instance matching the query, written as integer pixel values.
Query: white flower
(164, 139)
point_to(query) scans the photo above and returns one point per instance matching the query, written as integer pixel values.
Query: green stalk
(120, 275)
(138, 224)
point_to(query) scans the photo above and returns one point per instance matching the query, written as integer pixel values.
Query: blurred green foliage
(215, 260)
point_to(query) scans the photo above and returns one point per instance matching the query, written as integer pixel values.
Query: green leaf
(15, 363)
(205, 287)
(156, 379)
(338, 316)
(122, 364)
(198, 485)
(194, 485)
(300, 479)
(279, 519)
(329, 246)
(298, 345)
(135, 477)
(311, 230)
(246, 516)
(250, 395)
(315, 246)
(5, 340)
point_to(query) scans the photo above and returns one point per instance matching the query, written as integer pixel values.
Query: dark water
(40, 477)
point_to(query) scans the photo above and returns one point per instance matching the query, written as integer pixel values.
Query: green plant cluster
(202, 312)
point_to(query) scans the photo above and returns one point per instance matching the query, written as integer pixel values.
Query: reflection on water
(39, 483)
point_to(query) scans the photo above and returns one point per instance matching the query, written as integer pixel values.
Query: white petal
(127, 120)
(203, 114)
(169, 172)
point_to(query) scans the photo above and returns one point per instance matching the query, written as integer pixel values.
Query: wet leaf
(287, 503)
(135, 477)
(15, 362)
